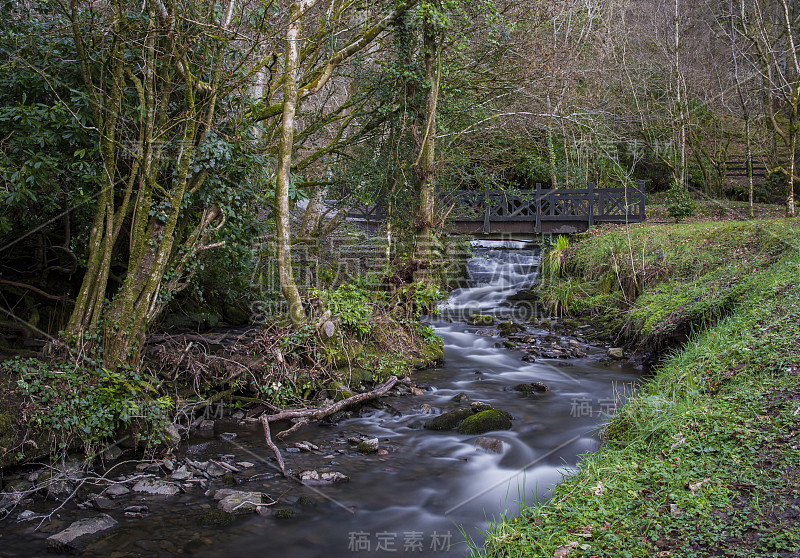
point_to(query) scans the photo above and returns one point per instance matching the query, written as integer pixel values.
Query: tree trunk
(283, 237)
(427, 157)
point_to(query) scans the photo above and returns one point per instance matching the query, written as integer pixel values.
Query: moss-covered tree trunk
(283, 238)
(424, 222)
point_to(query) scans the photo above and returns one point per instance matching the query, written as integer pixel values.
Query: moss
(531, 388)
(215, 517)
(229, 480)
(448, 421)
(366, 448)
(508, 328)
(433, 351)
(481, 320)
(284, 513)
(459, 397)
(485, 421)
(343, 354)
(338, 391)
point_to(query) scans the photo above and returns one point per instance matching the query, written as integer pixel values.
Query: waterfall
(497, 270)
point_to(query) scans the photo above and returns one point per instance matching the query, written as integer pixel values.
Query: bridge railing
(590, 205)
(566, 205)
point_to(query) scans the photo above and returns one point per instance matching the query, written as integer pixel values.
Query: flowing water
(433, 489)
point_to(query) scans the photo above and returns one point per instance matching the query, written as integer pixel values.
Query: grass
(658, 283)
(704, 460)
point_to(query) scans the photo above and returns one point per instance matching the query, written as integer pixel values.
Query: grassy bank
(704, 461)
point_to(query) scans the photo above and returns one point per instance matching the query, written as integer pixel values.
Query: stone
(283, 513)
(156, 487)
(206, 426)
(104, 504)
(485, 421)
(116, 491)
(368, 446)
(112, 453)
(215, 469)
(616, 352)
(228, 436)
(245, 464)
(459, 397)
(509, 328)
(239, 502)
(73, 539)
(171, 435)
(181, 474)
(478, 406)
(491, 445)
(481, 320)
(315, 478)
(26, 515)
(531, 388)
(448, 421)
(306, 446)
(136, 511)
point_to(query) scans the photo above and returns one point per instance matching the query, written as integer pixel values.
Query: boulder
(239, 502)
(315, 478)
(448, 421)
(73, 539)
(490, 445)
(509, 328)
(368, 446)
(531, 388)
(156, 487)
(485, 421)
(116, 491)
(616, 352)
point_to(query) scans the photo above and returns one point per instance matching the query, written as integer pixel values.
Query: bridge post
(641, 200)
(538, 205)
(487, 226)
(591, 204)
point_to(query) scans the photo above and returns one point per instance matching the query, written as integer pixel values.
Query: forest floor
(704, 460)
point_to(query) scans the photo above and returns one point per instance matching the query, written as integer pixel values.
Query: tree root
(307, 415)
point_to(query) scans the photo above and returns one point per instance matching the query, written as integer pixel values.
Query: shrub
(680, 204)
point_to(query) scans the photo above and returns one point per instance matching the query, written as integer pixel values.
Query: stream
(428, 491)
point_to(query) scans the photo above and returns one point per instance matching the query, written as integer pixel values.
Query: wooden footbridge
(534, 211)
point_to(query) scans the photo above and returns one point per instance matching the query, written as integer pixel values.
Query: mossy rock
(338, 391)
(508, 328)
(448, 421)
(481, 320)
(284, 513)
(217, 518)
(485, 421)
(479, 406)
(531, 388)
(509, 345)
(459, 397)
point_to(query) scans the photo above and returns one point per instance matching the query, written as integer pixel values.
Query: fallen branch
(272, 445)
(308, 415)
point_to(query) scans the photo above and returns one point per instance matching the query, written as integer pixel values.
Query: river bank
(704, 459)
